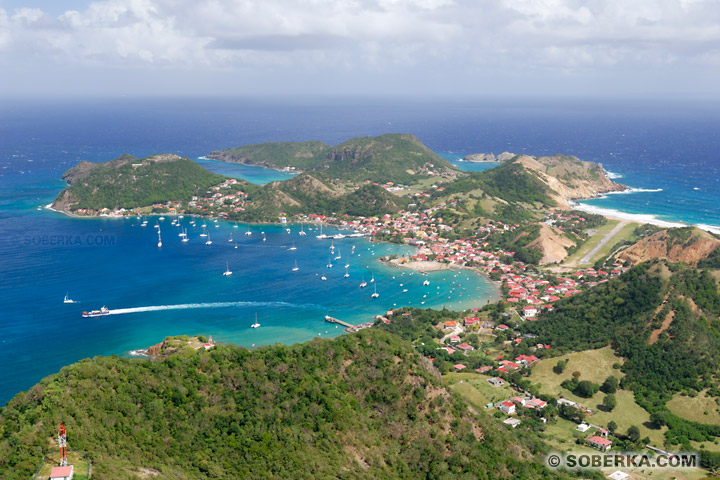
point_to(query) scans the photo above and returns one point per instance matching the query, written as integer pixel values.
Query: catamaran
(321, 236)
(375, 294)
(227, 271)
(426, 282)
(363, 284)
(208, 242)
(256, 324)
(248, 233)
(185, 236)
(302, 232)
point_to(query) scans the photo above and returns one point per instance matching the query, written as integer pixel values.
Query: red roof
(61, 471)
(604, 442)
(508, 404)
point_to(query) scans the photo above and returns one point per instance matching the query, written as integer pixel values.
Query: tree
(657, 419)
(560, 366)
(609, 402)
(633, 434)
(586, 389)
(576, 374)
(610, 385)
(612, 426)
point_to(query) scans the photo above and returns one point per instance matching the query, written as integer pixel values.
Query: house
(536, 403)
(496, 382)
(519, 400)
(618, 475)
(460, 366)
(583, 427)
(62, 473)
(513, 422)
(502, 326)
(602, 444)
(471, 321)
(465, 347)
(483, 369)
(450, 324)
(509, 408)
(530, 311)
(454, 339)
(526, 359)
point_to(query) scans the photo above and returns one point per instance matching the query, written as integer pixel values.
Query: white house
(507, 407)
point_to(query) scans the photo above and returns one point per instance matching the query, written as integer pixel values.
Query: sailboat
(230, 239)
(295, 268)
(159, 239)
(204, 233)
(248, 233)
(329, 264)
(323, 278)
(227, 271)
(372, 278)
(208, 242)
(302, 232)
(68, 299)
(293, 246)
(144, 223)
(332, 247)
(185, 236)
(256, 324)
(426, 282)
(264, 238)
(363, 284)
(321, 236)
(346, 272)
(375, 294)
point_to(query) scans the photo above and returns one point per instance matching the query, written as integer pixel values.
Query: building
(602, 444)
(513, 422)
(496, 382)
(62, 473)
(509, 408)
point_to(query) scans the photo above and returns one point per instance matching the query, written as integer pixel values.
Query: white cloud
(369, 36)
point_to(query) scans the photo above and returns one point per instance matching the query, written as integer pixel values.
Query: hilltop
(364, 405)
(398, 158)
(689, 245)
(128, 182)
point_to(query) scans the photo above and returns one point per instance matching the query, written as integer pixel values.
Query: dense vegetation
(360, 406)
(120, 185)
(399, 158)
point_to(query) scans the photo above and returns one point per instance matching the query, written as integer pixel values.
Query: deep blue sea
(666, 151)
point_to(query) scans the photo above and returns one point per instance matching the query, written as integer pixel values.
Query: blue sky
(599, 48)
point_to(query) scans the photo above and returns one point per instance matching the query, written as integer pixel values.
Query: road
(586, 259)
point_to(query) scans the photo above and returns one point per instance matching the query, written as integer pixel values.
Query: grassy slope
(301, 155)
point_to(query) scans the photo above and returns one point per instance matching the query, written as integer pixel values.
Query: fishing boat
(96, 313)
(68, 299)
(256, 324)
(227, 271)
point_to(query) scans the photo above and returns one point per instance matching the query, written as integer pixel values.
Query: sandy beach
(421, 266)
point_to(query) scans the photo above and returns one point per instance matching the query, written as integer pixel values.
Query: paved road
(586, 259)
(457, 331)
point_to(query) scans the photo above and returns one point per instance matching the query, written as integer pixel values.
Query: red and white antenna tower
(62, 443)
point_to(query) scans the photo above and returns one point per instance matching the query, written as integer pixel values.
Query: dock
(330, 319)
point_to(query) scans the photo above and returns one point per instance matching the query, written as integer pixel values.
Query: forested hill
(359, 406)
(399, 158)
(128, 182)
(662, 318)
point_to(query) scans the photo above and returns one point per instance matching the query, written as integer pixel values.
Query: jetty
(330, 319)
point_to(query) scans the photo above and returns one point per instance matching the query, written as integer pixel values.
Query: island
(606, 333)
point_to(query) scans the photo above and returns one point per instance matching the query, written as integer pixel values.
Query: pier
(330, 319)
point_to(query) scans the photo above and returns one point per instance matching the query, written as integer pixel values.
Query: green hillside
(398, 158)
(128, 182)
(359, 406)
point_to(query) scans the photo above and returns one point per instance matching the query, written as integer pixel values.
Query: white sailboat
(227, 271)
(185, 236)
(426, 282)
(363, 284)
(293, 246)
(329, 264)
(295, 268)
(302, 232)
(256, 324)
(332, 247)
(375, 294)
(204, 233)
(264, 238)
(321, 236)
(68, 299)
(159, 239)
(208, 242)
(372, 278)
(230, 239)
(248, 233)
(346, 272)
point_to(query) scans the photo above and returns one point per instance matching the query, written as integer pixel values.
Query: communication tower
(62, 444)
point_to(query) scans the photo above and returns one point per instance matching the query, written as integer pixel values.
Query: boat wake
(189, 306)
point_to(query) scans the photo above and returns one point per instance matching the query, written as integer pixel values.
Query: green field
(694, 408)
(476, 389)
(596, 366)
(593, 365)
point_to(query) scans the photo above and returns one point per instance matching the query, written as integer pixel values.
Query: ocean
(666, 152)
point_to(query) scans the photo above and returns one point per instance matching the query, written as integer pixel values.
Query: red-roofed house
(530, 311)
(484, 369)
(526, 359)
(454, 339)
(465, 347)
(507, 407)
(471, 321)
(450, 324)
(536, 403)
(502, 326)
(602, 444)
(460, 366)
(62, 473)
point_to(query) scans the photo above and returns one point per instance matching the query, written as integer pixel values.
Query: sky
(486, 48)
